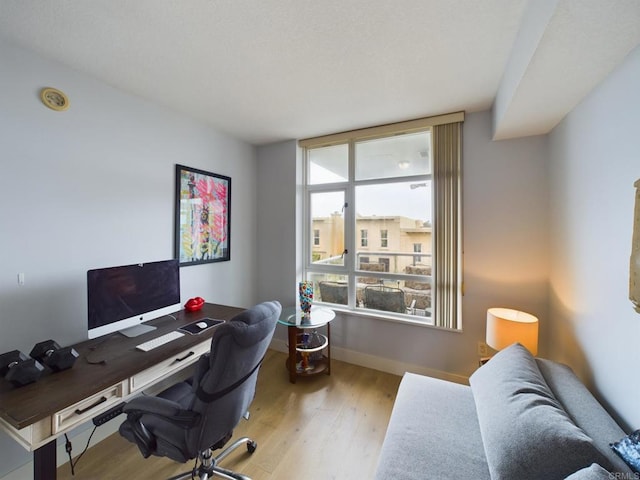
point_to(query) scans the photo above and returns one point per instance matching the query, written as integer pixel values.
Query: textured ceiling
(269, 70)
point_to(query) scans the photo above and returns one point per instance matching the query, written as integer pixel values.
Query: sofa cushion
(583, 409)
(525, 431)
(433, 433)
(592, 472)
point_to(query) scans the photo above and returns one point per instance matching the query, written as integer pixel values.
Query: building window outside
(385, 262)
(384, 238)
(380, 185)
(417, 248)
(364, 240)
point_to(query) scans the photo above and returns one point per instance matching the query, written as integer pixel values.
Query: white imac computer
(122, 298)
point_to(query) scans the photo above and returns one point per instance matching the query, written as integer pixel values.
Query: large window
(372, 197)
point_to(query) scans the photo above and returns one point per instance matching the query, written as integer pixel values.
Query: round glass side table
(309, 351)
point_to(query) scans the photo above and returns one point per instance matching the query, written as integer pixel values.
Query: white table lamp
(506, 326)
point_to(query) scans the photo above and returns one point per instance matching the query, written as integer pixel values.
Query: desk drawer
(167, 367)
(87, 408)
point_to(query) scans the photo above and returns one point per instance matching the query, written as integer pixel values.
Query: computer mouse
(202, 324)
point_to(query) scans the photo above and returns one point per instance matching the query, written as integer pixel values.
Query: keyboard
(159, 341)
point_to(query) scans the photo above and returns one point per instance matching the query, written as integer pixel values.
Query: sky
(381, 200)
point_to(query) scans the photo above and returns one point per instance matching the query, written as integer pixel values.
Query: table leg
(293, 341)
(44, 462)
(329, 348)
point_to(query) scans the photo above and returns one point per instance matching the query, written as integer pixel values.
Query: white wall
(595, 159)
(505, 262)
(277, 221)
(94, 187)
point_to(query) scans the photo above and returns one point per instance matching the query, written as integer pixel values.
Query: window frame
(351, 268)
(308, 222)
(451, 304)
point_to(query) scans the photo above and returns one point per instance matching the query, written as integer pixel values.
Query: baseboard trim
(380, 363)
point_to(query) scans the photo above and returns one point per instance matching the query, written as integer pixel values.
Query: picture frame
(634, 261)
(202, 216)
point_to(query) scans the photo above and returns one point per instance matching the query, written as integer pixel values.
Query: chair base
(209, 464)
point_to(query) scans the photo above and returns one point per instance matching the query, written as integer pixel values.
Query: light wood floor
(321, 428)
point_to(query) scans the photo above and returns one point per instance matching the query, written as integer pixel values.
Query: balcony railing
(405, 290)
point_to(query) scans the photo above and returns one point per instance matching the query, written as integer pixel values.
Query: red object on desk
(194, 304)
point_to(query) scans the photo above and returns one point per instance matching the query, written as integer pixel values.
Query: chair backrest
(388, 299)
(225, 380)
(334, 292)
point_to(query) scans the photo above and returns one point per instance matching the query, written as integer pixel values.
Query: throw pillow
(525, 431)
(629, 450)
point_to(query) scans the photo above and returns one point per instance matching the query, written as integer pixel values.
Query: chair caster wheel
(251, 446)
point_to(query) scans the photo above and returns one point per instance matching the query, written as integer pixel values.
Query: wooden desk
(108, 371)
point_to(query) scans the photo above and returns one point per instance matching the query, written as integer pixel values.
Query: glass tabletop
(293, 317)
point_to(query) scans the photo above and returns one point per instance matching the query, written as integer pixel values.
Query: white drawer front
(87, 408)
(169, 366)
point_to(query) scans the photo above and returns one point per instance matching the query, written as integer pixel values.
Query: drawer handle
(185, 357)
(83, 410)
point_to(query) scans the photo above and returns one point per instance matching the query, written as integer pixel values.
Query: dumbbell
(19, 369)
(54, 356)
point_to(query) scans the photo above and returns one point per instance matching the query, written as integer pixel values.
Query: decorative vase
(305, 289)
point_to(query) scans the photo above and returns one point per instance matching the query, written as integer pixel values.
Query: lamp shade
(506, 326)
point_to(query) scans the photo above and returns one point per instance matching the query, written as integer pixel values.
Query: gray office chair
(191, 419)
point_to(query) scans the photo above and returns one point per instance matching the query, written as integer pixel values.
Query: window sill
(407, 320)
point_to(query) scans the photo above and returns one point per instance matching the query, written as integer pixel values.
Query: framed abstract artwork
(634, 263)
(202, 216)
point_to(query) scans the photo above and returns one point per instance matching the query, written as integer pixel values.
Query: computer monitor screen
(125, 296)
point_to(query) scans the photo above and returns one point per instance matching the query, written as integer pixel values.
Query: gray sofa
(520, 418)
